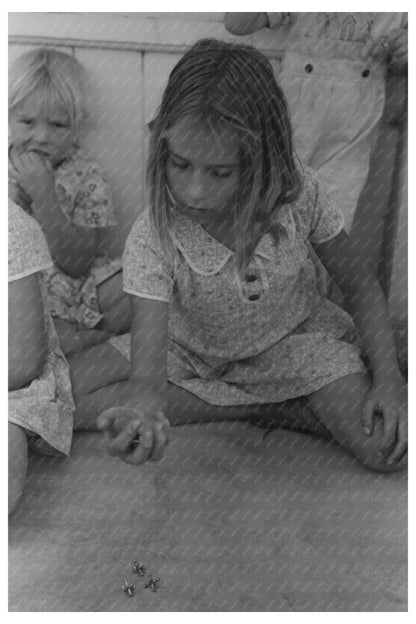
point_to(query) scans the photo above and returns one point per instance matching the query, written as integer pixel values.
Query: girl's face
(45, 130)
(203, 170)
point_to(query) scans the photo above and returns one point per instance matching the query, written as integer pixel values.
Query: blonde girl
(227, 319)
(66, 192)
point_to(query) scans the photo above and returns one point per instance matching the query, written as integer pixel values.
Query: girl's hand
(133, 436)
(390, 401)
(35, 175)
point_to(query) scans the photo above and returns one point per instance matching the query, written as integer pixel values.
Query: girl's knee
(95, 368)
(339, 406)
(17, 464)
(372, 454)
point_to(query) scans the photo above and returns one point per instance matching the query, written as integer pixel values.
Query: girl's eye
(178, 164)
(25, 121)
(221, 173)
(59, 124)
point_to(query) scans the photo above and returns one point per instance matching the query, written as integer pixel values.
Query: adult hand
(392, 49)
(397, 42)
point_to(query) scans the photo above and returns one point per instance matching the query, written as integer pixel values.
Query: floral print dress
(263, 337)
(44, 408)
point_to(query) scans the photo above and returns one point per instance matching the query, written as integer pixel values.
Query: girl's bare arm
(149, 347)
(143, 406)
(72, 247)
(365, 301)
(27, 337)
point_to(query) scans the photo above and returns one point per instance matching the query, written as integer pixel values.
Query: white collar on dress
(204, 253)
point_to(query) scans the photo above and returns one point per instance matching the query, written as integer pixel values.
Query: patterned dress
(84, 197)
(43, 408)
(262, 337)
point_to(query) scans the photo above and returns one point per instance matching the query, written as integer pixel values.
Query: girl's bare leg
(339, 405)
(193, 410)
(73, 340)
(115, 305)
(110, 292)
(100, 380)
(94, 372)
(117, 320)
(17, 464)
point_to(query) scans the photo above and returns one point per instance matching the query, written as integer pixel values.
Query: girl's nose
(41, 133)
(196, 188)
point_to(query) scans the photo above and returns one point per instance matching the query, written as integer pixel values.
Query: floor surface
(228, 521)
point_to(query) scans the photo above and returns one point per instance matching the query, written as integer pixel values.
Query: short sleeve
(146, 271)
(27, 248)
(317, 217)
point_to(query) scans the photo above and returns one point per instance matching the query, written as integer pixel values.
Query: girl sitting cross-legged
(227, 320)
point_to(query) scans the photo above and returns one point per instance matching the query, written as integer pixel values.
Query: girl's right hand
(134, 436)
(35, 175)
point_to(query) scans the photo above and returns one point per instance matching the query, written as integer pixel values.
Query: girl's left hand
(390, 401)
(35, 175)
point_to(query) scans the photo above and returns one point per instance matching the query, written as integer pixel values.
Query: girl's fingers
(399, 453)
(144, 448)
(403, 461)
(161, 440)
(116, 417)
(390, 419)
(105, 419)
(153, 441)
(161, 431)
(367, 416)
(119, 444)
(123, 427)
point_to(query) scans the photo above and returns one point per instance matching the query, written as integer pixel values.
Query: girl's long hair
(54, 77)
(228, 85)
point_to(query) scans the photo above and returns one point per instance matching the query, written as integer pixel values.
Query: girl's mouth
(195, 211)
(199, 214)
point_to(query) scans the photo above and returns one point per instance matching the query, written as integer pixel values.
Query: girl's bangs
(49, 96)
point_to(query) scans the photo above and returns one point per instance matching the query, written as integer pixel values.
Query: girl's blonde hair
(232, 86)
(55, 78)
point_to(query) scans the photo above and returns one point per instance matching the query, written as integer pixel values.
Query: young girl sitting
(40, 399)
(66, 192)
(227, 320)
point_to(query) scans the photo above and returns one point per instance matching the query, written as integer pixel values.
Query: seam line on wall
(127, 46)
